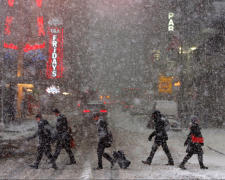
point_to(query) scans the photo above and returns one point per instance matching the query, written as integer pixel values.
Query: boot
(98, 168)
(170, 164)
(182, 166)
(35, 165)
(202, 166)
(146, 162)
(72, 161)
(54, 165)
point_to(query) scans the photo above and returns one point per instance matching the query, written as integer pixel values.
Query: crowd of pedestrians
(47, 135)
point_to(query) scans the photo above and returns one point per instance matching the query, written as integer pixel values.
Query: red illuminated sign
(28, 47)
(40, 26)
(11, 46)
(8, 23)
(10, 2)
(55, 60)
(39, 2)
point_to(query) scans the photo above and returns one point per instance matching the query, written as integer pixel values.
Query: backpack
(109, 139)
(166, 124)
(51, 132)
(119, 157)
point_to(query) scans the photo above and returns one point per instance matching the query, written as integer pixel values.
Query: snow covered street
(131, 135)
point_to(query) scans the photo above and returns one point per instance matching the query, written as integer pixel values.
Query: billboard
(55, 60)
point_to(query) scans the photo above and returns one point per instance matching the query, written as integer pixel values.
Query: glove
(149, 139)
(28, 139)
(185, 144)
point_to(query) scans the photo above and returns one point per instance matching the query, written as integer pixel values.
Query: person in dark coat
(160, 139)
(194, 143)
(44, 142)
(102, 137)
(63, 136)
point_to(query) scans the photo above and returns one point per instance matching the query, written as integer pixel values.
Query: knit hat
(194, 119)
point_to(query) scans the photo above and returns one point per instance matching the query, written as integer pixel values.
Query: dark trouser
(189, 155)
(44, 149)
(66, 145)
(100, 152)
(165, 149)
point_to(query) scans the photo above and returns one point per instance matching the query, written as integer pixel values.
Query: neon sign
(11, 46)
(38, 2)
(53, 90)
(8, 23)
(55, 62)
(28, 47)
(11, 2)
(40, 24)
(171, 24)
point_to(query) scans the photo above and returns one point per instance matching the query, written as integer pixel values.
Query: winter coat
(43, 134)
(62, 129)
(102, 130)
(194, 147)
(160, 132)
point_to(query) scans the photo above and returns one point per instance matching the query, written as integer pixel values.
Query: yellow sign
(165, 84)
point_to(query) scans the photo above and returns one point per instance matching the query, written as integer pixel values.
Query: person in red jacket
(194, 143)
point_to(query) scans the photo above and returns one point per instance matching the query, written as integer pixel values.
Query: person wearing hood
(63, 136)
(160, 139)
(194, 143)
(44, 142)
(102, 137)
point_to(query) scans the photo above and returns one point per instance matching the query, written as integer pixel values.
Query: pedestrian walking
(102, 141)
(44, 136)
(160, 139)
(194, 143)
(63, 136)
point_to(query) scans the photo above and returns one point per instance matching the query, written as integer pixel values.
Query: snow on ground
(141, 147)
(131, 135)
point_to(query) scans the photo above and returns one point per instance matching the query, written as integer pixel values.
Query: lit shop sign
(40, 24)
(55, 60)
(39, 2)
(53, 90)
(10, 46)
(55, 22)
(8, 22)
(28, 47)
(10, 2)
(171, 24)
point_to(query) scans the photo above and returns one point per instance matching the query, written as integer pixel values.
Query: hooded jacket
(43, 134)
(160, 132)
(62, 128)
(194, 147)
(102, 129)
